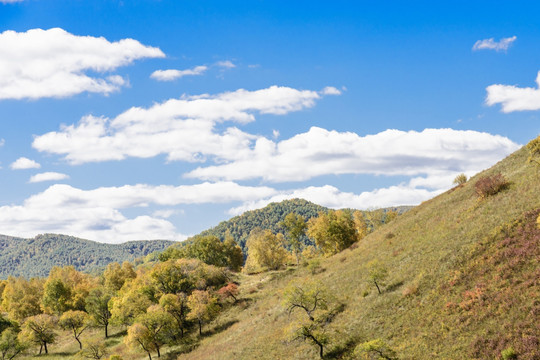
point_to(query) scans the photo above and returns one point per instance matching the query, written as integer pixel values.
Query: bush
(460, 179)
(490, 185)
(509, 354)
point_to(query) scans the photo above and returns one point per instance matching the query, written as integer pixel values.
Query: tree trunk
(79, 341)
(45, 346)
(157, 349)
(200, 328)
(106, 331)
(377, 285)
(149, 355)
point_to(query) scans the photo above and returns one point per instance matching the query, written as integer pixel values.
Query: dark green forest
(35, 257)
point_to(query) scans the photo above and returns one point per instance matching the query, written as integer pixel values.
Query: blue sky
(145, 119)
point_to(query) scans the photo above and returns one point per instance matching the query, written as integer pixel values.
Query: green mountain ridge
(35, 257)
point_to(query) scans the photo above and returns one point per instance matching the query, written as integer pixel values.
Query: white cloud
(2, 142)
(184, 129)
(54, 63)
(95, 214)
(330, 90)
(24, 163)
(48, 176)
(332, 197)
(10, 1)
(491, 44)
(227, 64)
(513, 98)
(170, 75)
(391, 152)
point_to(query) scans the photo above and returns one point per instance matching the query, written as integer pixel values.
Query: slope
(463, 283)
(35, 257)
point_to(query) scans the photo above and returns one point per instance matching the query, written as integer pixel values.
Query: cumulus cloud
(513, 98)
(172, 74)
(54, 63)
(391, 152)
(48, 176)
(491, 44)
(24, 163)
(184, 129)
(95, 214)
(227, 64)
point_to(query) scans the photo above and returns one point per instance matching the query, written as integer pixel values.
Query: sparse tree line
(160, 303)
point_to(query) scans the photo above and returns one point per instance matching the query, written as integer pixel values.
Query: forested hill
(35, 257)
(268, 217)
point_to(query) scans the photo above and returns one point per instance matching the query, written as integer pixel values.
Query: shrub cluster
(490, 185)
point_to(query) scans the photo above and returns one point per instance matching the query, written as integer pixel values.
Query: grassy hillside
(463, 283)
(35, 257)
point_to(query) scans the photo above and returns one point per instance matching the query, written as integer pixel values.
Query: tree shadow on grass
(119, 334)
(393, 286)
(219, 328)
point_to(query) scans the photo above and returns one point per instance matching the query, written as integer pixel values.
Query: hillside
(35, 257)
(463, 283)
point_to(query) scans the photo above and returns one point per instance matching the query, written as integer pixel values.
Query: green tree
(176, 305)
(10, 345)
(311, 302)
(534, 151)
(295, 228)
(375, 350)
(333, 231)
(203, 307)
(75, 321)
(233, 252)
(97, 306)
(377, 273)
(157, 323)
(265, 250)
(39, 329)
(56, 297)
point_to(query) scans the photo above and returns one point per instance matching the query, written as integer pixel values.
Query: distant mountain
(35, 257)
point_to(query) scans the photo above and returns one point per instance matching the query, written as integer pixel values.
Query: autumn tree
(295, 228)
(230, 290)
(310, 301)
(66, 289)
(115, 275)
(203, 307)
(176, 305)
(10, 345)
(460, 179)
(138, 337)
(265, 250)
(233, 252)
(377, 273)
(127, 305)
(157, 323)
(22, 298)
(172, 277)
(39, 329)
(97, 306)
(333, 231)
(75, 321)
